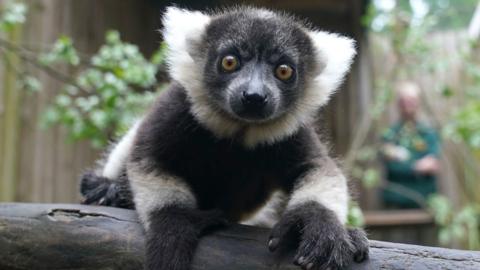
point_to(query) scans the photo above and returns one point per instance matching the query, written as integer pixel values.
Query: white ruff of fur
(183, 27)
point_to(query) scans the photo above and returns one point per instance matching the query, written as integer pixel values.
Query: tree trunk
(58, 236)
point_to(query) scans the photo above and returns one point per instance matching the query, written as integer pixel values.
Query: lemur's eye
(284, 72)
(230, 63)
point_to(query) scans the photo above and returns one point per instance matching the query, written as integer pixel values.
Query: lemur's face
(253, 72)
(256, 68)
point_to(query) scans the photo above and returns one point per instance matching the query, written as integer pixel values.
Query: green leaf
(50, 117)
(99, 118)
(371, 178)
(31, 84)
(62, 51)
(63, 100)
(159, 56)
(112, 37)
(441, 208)
(12, 15)
(355, 215)
(447, 91)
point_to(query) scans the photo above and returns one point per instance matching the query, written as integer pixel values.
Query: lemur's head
(253, 71)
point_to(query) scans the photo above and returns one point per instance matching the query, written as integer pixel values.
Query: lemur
(232, 139)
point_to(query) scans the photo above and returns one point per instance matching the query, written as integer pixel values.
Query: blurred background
(406, 123)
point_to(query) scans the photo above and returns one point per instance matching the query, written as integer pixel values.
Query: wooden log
(61, 236)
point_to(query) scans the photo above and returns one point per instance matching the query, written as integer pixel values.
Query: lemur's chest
(221, 173)
(227, 176)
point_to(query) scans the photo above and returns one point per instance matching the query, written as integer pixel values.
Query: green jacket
(420, 141)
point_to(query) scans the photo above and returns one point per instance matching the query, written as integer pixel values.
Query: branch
(28, 57)
(60, 236)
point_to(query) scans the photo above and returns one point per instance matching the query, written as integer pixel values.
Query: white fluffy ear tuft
(181, 29)
(181, 26)
(336, 53)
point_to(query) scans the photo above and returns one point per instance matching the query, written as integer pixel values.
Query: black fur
(221, 172)
(323, 242)
(173, 236)
(360, 241)
(224, 175)
(103, 191)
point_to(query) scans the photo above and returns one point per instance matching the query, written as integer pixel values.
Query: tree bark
(62, 236)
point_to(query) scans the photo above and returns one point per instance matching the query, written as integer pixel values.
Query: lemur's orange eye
(230, 63)
(284, 72)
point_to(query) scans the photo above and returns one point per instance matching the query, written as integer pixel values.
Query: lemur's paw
(98, 190)
(323, 242)
(360, 241)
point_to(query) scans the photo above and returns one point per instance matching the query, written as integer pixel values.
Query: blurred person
(409, 153)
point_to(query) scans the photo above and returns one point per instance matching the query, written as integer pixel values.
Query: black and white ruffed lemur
(233, 139)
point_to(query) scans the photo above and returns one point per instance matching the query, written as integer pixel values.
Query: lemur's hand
(98, 190)
(324, 243)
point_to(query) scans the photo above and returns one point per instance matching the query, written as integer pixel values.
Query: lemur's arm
(317, 211)
(324, 184)
(167, 208)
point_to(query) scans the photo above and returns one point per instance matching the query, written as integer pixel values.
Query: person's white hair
(407, 89)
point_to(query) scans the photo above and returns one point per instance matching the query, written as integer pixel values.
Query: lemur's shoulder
(165, 125)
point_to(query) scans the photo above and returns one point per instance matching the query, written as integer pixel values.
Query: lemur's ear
(181, 26)
(335, 53)
(181, 29)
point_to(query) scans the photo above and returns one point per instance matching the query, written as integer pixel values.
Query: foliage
(355, 216)
(405, 24)
(11, 15)
(102, 94)
(466, 125)
(62, 51)
(453, 225)
(104, 99)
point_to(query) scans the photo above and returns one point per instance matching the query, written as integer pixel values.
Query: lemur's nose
(254, 99)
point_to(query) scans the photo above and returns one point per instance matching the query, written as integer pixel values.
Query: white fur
(328, 189)
(337, 53)
(184, 28)
(117, 158)
(155, 190)
(265, 13)
(268, 215)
